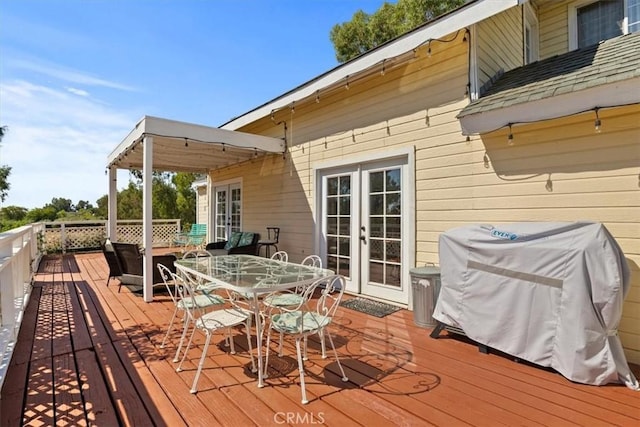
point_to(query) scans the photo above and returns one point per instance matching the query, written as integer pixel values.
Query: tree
(4, 171)
(13, 213)
(61, 204)
(365, 32)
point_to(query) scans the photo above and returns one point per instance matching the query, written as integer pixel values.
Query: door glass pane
(221, 215)
(236, 208)
(376, 184)
(376, 272)
(393, 180)
(376, 203)
(338, 222)
(376, 227)
(332, 186)
(332, 225)
(393, 204)
(385, 243)
(345, 185)
(392, 230)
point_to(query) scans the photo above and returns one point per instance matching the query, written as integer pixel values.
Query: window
(530, 35)
(593, 21)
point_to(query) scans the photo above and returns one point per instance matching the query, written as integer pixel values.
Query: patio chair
(292, 297)
(313, 261)
(130, 261)
(221, 318)
(273, 237)
(202, 300)
(310, 317)
(115, 270)
(195, 237)
(280, 256)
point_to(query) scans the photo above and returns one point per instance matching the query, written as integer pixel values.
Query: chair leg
(335, 353)
(266, 358)
(170, 328)
(184, 355)
(185, 326)
(301, 370)
(108, 281)
(322, 344)
(201, 364)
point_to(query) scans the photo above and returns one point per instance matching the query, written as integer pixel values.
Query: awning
(187, 147)
(599, 76)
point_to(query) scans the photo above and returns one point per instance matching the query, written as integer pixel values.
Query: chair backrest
(318, 315)
(129, 258)
(196, 253)
(170, 281)
(198, 230)
(112, 260)
(280, 256)
(332, 292)
(313, 261)
(273, 234)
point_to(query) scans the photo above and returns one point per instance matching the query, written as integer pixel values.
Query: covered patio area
(157, 144)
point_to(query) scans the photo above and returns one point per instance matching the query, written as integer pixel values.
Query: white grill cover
(548, 293)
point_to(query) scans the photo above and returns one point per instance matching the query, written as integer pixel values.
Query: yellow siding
(558, 170)
(202, 212)
(499, 44)
(553, 26)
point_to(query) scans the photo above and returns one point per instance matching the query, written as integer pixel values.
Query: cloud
(78, 92)
(57, 143)
(65, 74)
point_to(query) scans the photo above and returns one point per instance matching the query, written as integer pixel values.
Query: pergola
(169, 145)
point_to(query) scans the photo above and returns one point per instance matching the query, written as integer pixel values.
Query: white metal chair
(222, 318)
(280, 256)
(310, 317)
(313, 261)
(172, 282)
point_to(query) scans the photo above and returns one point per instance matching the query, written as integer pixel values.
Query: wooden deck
(90, 355)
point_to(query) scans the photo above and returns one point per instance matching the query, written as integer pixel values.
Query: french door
(364, 216)
(227, 210)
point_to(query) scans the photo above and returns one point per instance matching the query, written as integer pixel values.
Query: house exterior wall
(553, 24)
(202, 211)
(561, 170)
(499, 44)
(558, 170)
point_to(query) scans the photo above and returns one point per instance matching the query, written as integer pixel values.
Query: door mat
(367, 306)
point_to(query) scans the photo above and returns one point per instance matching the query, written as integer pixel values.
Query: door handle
(364, 239)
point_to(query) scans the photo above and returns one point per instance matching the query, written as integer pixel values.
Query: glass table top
(248, 273)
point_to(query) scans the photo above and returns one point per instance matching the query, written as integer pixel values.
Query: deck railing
(88, 235)
(22, 248)
(19, 258)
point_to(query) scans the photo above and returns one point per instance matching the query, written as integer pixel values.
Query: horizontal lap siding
(499, 44)
(553, 22)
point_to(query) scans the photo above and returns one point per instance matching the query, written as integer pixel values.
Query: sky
(77, 75)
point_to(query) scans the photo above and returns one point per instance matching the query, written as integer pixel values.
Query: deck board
(88, 354)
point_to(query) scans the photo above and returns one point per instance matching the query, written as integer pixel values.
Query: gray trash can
(425, 287)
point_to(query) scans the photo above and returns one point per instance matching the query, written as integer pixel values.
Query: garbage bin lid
(425, 271)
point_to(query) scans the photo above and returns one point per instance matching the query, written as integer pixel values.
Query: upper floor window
(530, 35)
(593, 21)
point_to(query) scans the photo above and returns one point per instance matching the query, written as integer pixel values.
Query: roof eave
(615, 94)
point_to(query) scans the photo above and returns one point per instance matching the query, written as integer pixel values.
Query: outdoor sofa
(240, 242)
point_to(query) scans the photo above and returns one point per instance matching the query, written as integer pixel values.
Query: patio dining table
(251, 276)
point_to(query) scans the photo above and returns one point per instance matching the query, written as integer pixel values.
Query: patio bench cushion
(246, 243)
